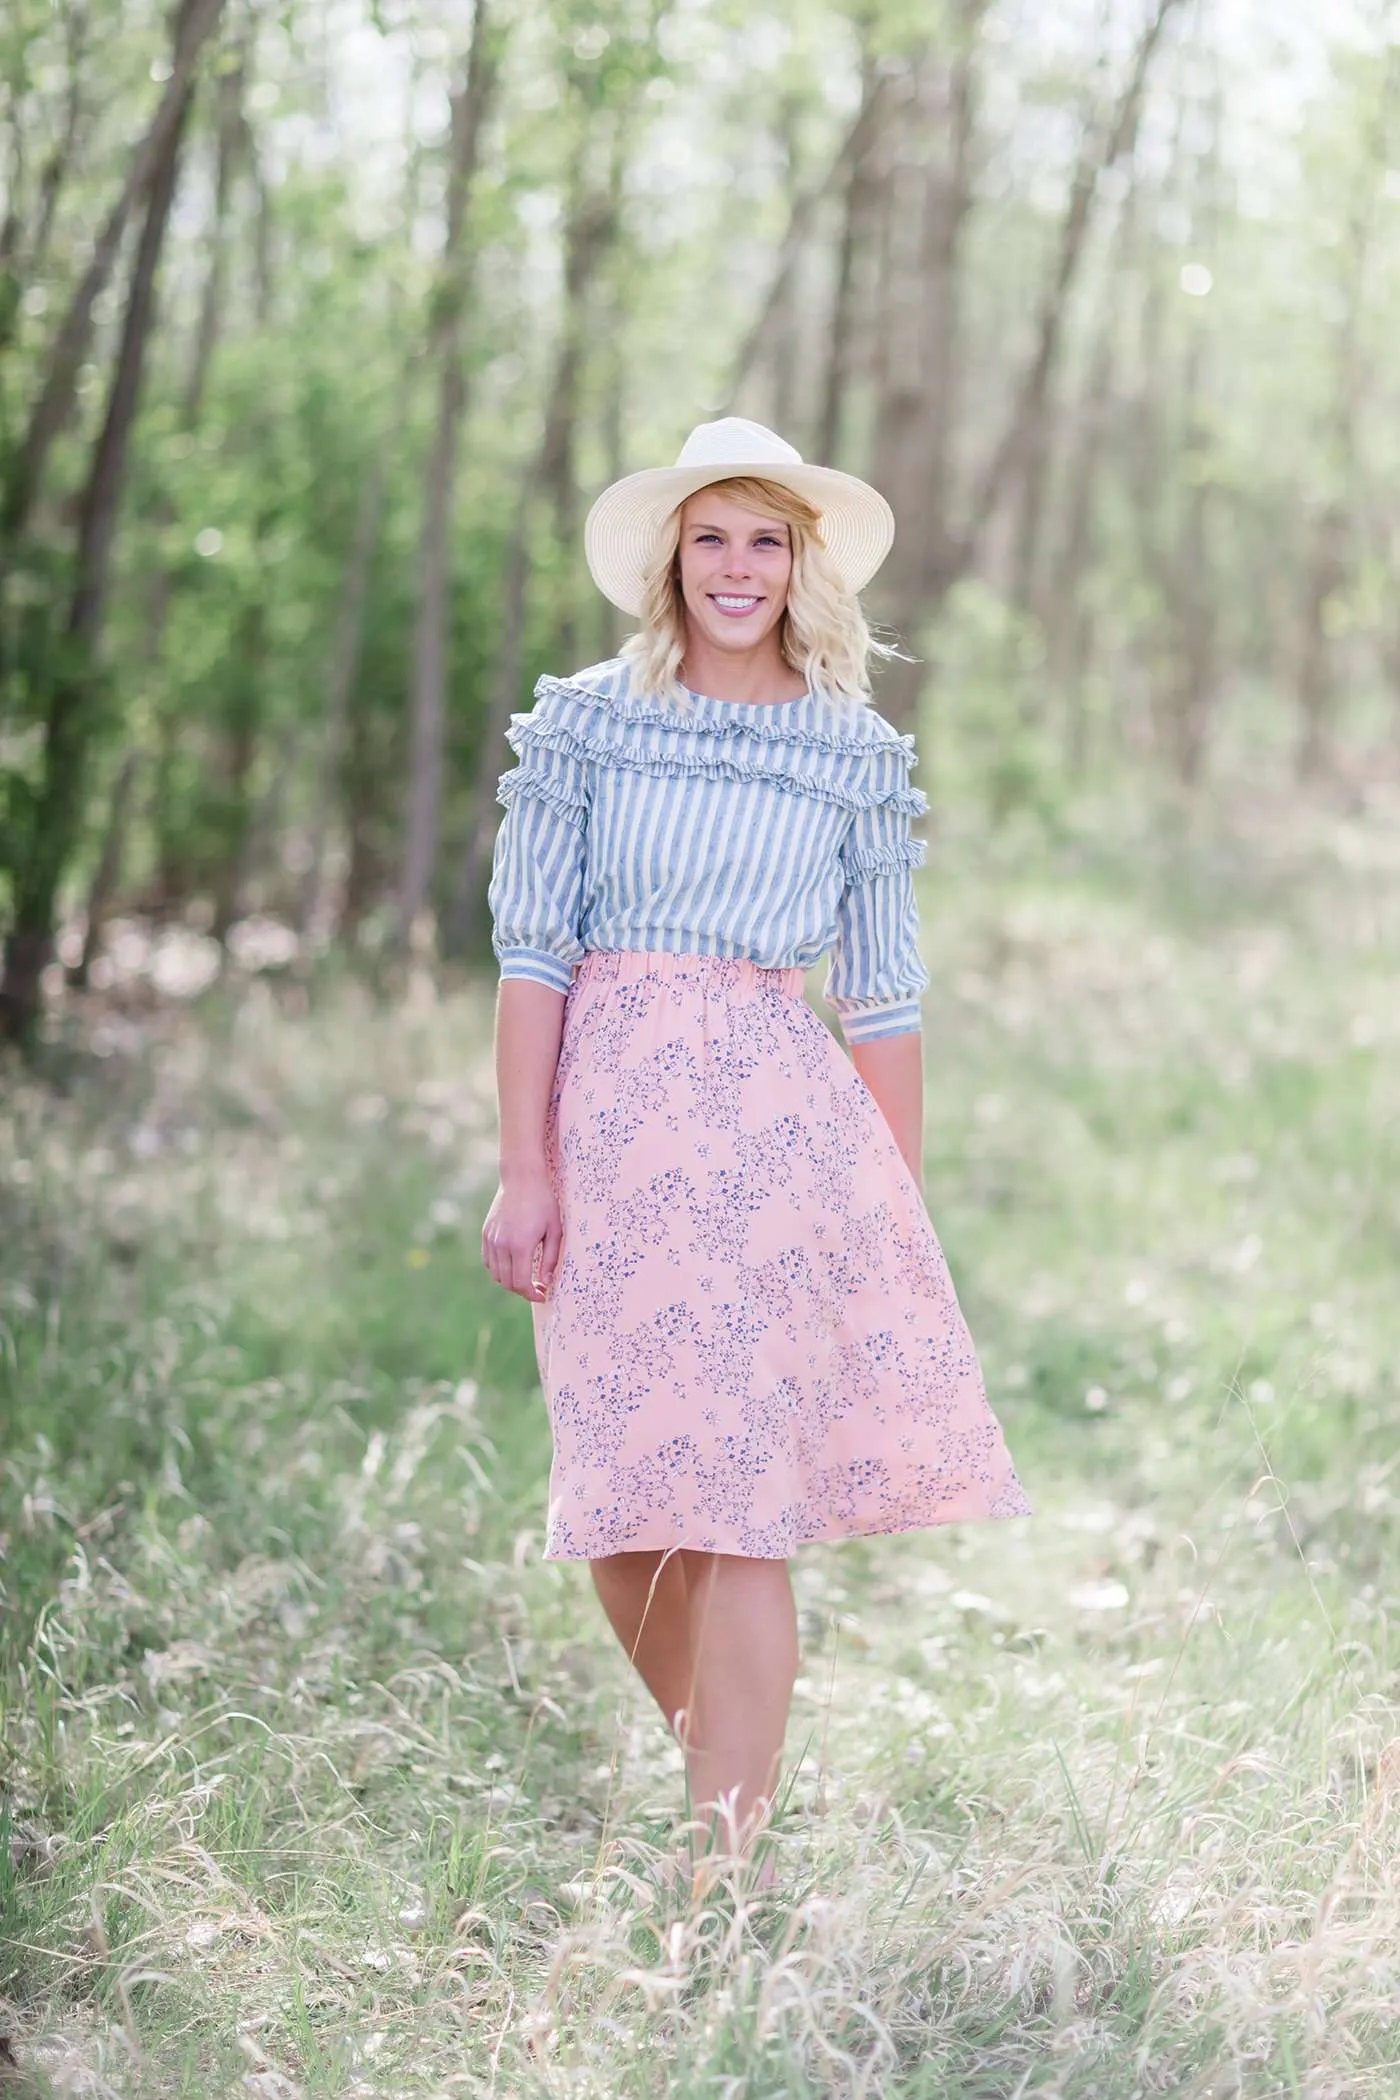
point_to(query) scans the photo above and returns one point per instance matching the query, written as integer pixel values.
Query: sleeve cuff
(873, 1024)
(539, 966)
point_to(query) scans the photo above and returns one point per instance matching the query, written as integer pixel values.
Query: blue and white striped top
(712, 827)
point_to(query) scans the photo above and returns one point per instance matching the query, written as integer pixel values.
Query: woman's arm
(523, 1221)
(892, 1067)
(535, 895)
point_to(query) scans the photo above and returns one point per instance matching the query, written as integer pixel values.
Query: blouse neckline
(760, 707)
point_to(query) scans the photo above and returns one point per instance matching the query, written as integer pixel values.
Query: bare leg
(743, 1638)
(714, 1639)
(647, 1600)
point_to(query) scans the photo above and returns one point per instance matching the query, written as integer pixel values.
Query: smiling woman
(747, 1335)
(735, 566)
(740, 586)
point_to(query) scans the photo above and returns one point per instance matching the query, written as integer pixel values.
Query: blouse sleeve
(536, 888)
(877, 973)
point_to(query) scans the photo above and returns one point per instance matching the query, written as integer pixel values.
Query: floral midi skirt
(751, 1339)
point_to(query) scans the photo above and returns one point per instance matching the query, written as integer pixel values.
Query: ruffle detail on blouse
(541, 787)
(766, 724)
(864, 863)
(852, 772)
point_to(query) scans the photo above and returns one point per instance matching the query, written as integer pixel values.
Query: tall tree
(230, 148)
(195, 22)
(471, 102)
(71, 723)
(923, 372)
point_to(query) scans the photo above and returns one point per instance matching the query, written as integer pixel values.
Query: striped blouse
(712, 827)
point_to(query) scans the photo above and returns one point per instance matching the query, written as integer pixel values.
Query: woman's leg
(714, 1638)
(646, 1598)
(743, 1640)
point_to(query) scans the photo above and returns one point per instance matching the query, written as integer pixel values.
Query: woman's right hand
(522, 1224)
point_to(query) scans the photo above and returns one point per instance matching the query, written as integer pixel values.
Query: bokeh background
(321, 325)
(321, 322)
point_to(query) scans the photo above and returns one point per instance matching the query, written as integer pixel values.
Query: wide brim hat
(619, 538)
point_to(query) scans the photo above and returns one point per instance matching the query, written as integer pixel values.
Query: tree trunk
(103, 889)
(592, 228)
(470, 105)
(1315, 685)
(1023, 437)
(344, 665)
(231, 140)
(926, 199)
(1329, 561)
(604, 627)
(801, 215)
(1063, 612)
(241, 749)
(492, 756)
(1194, 674)
(73, 701)
(24, 253)
(195, 22)
(857, 210)
(60, 160)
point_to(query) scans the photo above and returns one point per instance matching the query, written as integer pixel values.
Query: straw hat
(620, 535)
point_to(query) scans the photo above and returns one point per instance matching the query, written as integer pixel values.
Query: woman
(747, 1336)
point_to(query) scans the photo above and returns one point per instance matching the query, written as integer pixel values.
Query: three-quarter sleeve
(877, 973)
(537, 873)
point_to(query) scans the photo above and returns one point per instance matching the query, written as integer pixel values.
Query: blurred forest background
(320, 324)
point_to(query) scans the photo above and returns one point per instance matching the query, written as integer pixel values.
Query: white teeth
(737, 604)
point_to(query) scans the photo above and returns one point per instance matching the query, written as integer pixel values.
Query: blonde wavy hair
(822, 633)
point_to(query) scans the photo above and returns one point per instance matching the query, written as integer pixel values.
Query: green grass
(316, 1780)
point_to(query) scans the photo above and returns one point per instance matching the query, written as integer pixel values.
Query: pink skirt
(752, 1339)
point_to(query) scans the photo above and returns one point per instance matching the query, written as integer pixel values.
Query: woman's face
(735, 567)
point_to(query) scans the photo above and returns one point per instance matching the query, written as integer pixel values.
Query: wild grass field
(316, 1780)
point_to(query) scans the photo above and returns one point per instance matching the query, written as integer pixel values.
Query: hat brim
(619, 538)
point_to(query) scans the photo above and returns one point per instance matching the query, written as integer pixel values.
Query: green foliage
(988, 734)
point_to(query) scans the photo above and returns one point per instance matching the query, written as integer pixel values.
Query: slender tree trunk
(72, 708)
(592, 229)
(801, 216)
(1021, 434)
(604, 625)
(857, 212)
(23, 254)
(1329, 551)
(240, 755)
(60, 160)
(470, 105)
(1194, 658)
(467, 900)
(12, 231)
(103, 889)
(927, 200)
(1060, 602)
(196, 21)
(344, 665)
(231, 143)
(1064, 609)
(1315, 685)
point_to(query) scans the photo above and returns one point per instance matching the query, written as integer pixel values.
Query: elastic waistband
(733, 975)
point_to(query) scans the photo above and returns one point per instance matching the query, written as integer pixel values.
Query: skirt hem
(831, 1536)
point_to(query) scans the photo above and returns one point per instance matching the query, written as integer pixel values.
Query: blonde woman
(747, 1335)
